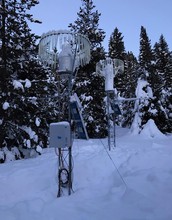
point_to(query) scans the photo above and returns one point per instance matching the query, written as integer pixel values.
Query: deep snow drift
(131, 182)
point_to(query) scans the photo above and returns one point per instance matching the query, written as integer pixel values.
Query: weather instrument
(64, 51)
(109, 68)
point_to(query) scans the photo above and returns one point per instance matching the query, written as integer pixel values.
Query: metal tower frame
(109, 68)
(64, 52)
(110, 120)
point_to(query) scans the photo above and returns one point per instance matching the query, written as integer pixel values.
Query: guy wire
(113, 163)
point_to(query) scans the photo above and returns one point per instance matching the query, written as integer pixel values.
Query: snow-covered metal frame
(109, 68)
(52, 42)
(116, 64)
(64, 51)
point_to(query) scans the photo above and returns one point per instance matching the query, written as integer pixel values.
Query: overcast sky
(127, 15)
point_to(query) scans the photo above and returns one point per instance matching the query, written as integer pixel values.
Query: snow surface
(131, 182)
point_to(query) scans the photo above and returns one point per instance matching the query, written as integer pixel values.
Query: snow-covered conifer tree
(116, 45)
(145, 53)
(162, 81)
(117, 51)
(131, 78)
(24, 83)
(89, 85)
(144, 108)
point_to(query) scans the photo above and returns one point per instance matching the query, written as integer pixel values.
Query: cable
(114, 164)
(65, 173)
(63, 176)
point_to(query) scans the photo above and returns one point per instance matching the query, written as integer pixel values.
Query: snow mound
(150, 130)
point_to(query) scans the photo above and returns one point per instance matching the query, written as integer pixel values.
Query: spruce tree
(116, 50)
(89, 85)
(144, 106)
(124, 82)
(116, 45)
(24, 98)
(131, 77)
(161, 54)
(145, 53)
(146, 58)
(163, 80)
(149, 108)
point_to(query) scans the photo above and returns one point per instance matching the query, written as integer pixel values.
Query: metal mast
(64, 51)
(109, 68)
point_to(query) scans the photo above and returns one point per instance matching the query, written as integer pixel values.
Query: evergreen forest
(28, 89)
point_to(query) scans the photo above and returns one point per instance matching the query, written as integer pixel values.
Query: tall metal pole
(70, 171)
(65, 42)
(59, 179)
(108, 119)
(109, 68)
(114, 121)
(111, 120)
(70, 148)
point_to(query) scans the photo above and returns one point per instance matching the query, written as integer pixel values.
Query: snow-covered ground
(131, 182)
